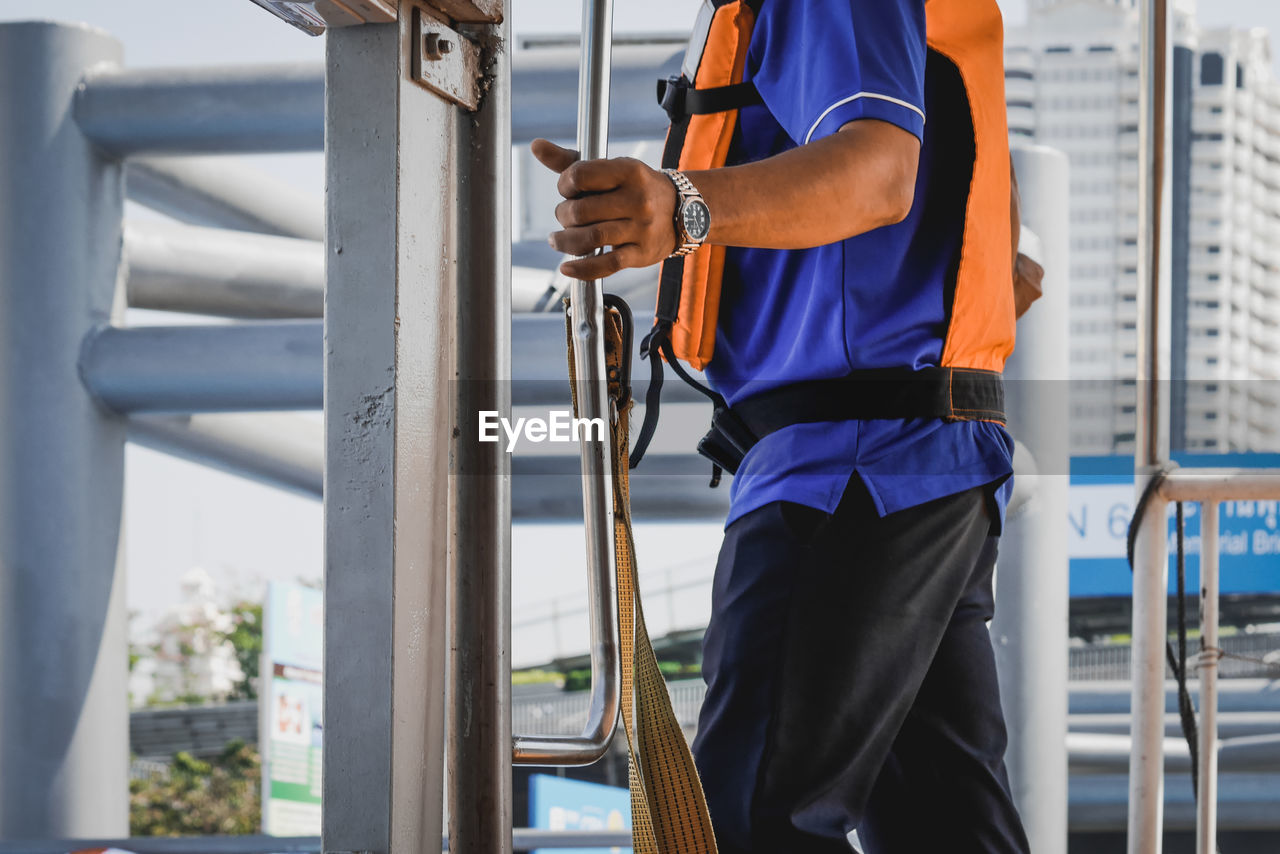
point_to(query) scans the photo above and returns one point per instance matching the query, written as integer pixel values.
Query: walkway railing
(1151, 456)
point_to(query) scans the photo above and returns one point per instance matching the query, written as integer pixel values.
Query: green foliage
(577, 680)
(673, 670)
(580, 680)
(537, 677)
(197, 797)
(246, 637)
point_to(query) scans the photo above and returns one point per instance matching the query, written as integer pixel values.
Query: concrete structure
(1029, 633)
(63, 655)
(1072, 83)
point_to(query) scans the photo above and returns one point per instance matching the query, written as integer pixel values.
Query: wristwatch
(692, 216)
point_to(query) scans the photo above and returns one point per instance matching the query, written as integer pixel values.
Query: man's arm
(851, 182)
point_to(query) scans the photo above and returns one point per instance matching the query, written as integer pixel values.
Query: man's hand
(620, 203)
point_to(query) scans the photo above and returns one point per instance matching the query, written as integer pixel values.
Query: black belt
(952, 394)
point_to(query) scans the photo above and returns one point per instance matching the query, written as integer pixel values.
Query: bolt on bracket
(444, 61)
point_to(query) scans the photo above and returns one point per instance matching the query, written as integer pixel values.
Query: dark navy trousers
(851, 682)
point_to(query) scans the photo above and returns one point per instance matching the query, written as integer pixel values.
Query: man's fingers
(586, 239)
(597, 208)
(598, 176)
(552, 156)
(602, 266)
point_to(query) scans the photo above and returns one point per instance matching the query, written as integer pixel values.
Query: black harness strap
(953, 394)
(956, 394)
(658, 339)
(680, 100)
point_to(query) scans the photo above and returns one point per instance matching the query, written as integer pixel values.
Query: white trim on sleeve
(901, 103)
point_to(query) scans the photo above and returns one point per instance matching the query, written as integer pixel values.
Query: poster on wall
(291, 726)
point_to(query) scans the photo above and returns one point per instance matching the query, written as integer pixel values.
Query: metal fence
(1244, 656)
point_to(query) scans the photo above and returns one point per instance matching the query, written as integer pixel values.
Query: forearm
(856, 180)
(849, 183)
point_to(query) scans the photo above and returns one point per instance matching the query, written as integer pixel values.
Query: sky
(179, 515)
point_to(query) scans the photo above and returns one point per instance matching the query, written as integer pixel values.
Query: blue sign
(559, 804)
(1101, 504)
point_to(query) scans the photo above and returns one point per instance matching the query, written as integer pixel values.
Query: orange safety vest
(703, 103)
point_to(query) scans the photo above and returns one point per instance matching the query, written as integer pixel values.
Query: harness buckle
(671, 96)
(619, 364)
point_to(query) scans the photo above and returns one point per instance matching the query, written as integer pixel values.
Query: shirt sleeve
(819, 64)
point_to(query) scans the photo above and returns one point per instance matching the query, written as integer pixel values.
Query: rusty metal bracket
(444, 61)
(316, 16)
(470, 11)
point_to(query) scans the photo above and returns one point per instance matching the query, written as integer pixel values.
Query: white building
(1072, 83)
(192, 658)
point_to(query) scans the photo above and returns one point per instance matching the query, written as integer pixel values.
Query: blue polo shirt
(873, 301)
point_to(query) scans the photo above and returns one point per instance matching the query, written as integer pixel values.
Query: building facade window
(1211, 69)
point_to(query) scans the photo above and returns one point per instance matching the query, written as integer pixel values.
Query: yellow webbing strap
(668, 809)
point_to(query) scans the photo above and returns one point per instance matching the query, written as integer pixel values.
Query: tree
(246, 636)
(196, 797)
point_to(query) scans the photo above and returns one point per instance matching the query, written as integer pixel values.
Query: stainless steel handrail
(1146, 774)
(587, 308)
(1207, 667)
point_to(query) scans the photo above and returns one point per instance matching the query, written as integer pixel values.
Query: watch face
(697, 219)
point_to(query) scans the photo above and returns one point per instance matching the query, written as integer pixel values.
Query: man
(850, 677)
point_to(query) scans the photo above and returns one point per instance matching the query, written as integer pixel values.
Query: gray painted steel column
(1030, 628)
(479, 752)
(389, 359)
(1151, 446)
(64, 738)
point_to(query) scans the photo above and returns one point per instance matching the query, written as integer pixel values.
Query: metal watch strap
(684, 191)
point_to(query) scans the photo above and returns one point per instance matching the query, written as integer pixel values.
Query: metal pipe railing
(276, 449)
(240, 367)
(224, 273)
(1209, 485)
(217, 191)
(267, 108)
(1207, 664)
(1146, 772)
(525, 839)
(587, 311)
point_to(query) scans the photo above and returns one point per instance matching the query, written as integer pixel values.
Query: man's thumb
(552, 156)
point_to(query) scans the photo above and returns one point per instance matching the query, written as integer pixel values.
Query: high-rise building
(1072, 83)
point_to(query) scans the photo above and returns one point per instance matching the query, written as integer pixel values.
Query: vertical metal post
(1030, 631)
(587, 307)
(479, 754)
(1207, 797)
(64, 737)
(1150, 587)
(1151, 446)
(389, 359)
